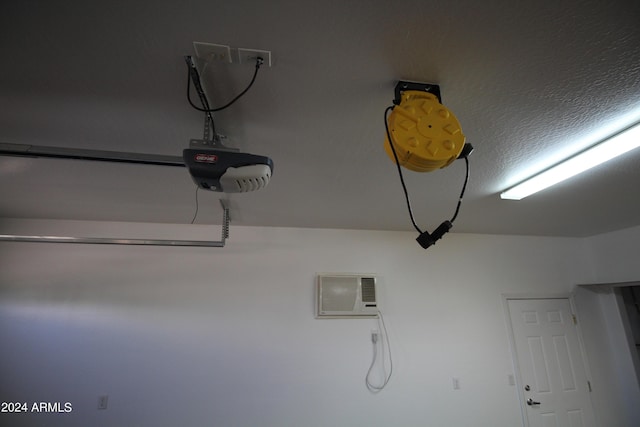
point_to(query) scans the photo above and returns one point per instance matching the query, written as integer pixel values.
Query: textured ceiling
(530, 82)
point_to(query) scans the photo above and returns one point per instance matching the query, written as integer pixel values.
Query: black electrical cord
(404, 187)
(259, 62)
(395, 156)
(203, 98)
(464, 188)
(195, 214)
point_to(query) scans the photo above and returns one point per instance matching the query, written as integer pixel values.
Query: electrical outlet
(249, 56)
(103, 401)
(210, 52)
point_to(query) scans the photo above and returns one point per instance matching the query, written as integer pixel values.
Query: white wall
(614, 259)
(615, 256)
(227, 337)
(610, 394)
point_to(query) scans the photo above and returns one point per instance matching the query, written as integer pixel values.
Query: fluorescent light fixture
(608, 149)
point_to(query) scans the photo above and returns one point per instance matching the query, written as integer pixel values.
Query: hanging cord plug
(426, 239)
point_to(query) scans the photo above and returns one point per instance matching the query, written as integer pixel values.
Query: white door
(555, 390)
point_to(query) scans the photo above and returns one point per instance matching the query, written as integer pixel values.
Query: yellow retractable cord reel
(423, 135)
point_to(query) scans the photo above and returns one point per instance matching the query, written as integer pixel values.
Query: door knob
(531, 402)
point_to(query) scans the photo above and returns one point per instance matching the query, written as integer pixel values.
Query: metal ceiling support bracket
(401, 86)
(119, 241)
(215, 143)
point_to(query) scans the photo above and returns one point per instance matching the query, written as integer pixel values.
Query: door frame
(512, 344)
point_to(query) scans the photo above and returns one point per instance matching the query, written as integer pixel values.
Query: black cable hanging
(464, 188)
(195, 214)
(193, 73)
(426, 239)
(207, 109)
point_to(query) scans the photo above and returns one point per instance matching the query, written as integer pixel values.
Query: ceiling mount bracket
(215, 143)
(402, 86)
(210, 138)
